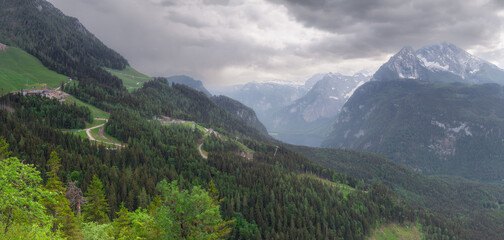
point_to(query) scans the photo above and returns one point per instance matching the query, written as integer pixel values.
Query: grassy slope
(132, 79)
(344, 189)
(396, 232)
(18, 67)
(96, 112)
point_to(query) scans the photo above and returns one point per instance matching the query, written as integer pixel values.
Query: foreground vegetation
(33, 211)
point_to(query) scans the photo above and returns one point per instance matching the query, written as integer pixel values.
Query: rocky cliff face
(313, 114)
(324, 100)
(241, 111)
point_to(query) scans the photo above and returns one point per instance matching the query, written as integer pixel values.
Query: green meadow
(132, 79)
(18, 68)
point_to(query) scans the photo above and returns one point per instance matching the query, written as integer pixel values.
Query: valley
(95, 149)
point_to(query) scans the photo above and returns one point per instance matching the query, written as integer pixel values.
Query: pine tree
(189, 214)
(97, 207)
(59, 207)
(121, 225)
(4, 149)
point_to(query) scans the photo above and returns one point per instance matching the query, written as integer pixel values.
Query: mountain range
(436, 118)
(297, 114)
(443, 62)
(216, 154)
(264, 98)
(309, 119)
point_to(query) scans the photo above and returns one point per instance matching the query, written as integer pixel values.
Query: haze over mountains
(297, 114)
(305, 114)
(422, 109)
(432, 115)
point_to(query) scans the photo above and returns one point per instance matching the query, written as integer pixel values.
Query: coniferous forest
(205, 173)
(279, 194)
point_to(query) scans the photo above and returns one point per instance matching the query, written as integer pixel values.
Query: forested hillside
(476, 206)
(203, 174)
(60, 42)
(190, 82)
(454, 128)
(277, 195)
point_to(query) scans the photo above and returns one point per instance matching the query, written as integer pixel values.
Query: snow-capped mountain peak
(448, 57)
(443, 62)
(405, 63)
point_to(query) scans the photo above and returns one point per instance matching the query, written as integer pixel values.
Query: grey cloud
(365, 28)
(188, 20)
(168, 37)
(216, 2)
(167, 3)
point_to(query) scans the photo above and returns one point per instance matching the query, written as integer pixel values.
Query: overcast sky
(228, 42)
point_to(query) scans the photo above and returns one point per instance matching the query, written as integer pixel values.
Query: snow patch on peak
(349, 94)
(450, 58)
(474, 71)
(433, 65)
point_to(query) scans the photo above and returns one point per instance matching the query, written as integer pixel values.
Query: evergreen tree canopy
(97, 207)
(189, 214)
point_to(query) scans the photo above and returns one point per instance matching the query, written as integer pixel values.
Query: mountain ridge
(190, 82)
(439, 62)
(432, 128)
(313, 114)
(60, 42)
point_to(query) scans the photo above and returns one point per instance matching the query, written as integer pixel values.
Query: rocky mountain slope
(190, 82)
(427, 109)
(313, 114)
(241, 111)
(453, 129)
(265, 98)
(443, 62)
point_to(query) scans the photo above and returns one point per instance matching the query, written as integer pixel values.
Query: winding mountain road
(203, 155)
(88, 131)
(101, 133)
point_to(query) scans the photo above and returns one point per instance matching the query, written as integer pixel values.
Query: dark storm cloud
(365, 28)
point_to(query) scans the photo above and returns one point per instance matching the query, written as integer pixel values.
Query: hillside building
(3, 47)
